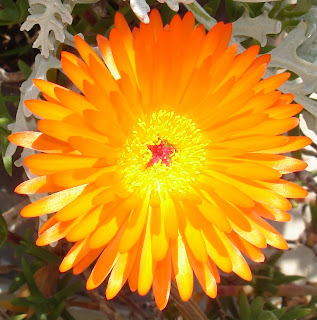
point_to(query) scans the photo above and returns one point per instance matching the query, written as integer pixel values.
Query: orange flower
(169, 162)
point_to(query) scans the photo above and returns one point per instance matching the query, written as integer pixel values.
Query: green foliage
(18, 51)
(290, 14)
(234, 9)
(18, 317)
(267, 278)
(313, 210)
(24, 68)
(13, 12)
(291, 11)
(52, 307)
(5, 119)
(3, 231)
(212, 6)
(37, 252)
(260, 309)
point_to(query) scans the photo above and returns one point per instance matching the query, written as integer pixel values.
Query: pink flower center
(161, 151)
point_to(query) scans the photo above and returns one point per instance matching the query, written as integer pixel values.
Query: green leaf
(3, 231)
(7, 161)
(18, 317)
(313, 210)
(57, 311)
(274, 258)
(279, 312)
(10, 12)
(256, 307)
(277, 7)
(13, 99)
(290, 11)
(3, 109)
(244, 306)
(43, 316)
(67, 291)
(21, 302)
(283, 279)
(17, 283)
(66, 315)
(267, 315)
(28, 273)
(312, 303)
(234, 9)
(255, 8)
(296, 314)
(23, 6)
(19, 51)
(166, 13)
(40, 253)
(212, 6)
(25, 69)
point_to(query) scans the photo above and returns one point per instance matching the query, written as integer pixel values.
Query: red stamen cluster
(161, 152)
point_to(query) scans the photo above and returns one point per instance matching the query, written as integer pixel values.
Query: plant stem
(190, 309)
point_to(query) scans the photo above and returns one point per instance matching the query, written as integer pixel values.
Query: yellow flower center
(164, 153)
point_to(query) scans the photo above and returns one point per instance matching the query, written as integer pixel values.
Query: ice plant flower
(168, 164)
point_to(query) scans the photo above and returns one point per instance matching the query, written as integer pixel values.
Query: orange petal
(87, 225)
(216, 249)
(134, 275)
(278, 162)
(205, 276)
(182, 269)
(105, 262)
(76, 70)
(214, 213)
(191, 225)
(171, 220)
(106, 53)
(70, 128)
(256, 191)
(159, 239)
(162, 281)
(247, 248)
(48, 110)
(102, 76)
(77, 252)
(79, 206)
(283, 112)
(53, 202)
(50, 163)
(109, 226)
(39, 141)
(146, 271)
(120, 272)
(86, 261)
(135, 226)
(291, 144)
(72, 100)
(74, 177)
(273, 237)
(225, 191)
(239, 265)
(55, 233)
(37, 185)
(271, 213)
(272, 83)
(286, 188)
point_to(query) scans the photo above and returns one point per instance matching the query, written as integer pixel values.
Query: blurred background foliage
(31, 286)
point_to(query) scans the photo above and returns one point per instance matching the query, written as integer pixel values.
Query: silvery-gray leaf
(52, 17)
